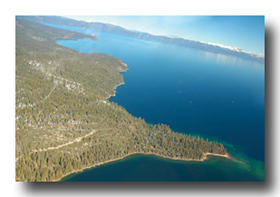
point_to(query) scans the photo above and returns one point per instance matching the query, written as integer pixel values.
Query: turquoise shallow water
(195, 92)
(153, 168)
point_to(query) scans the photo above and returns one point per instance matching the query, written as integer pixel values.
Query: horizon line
(230, 47)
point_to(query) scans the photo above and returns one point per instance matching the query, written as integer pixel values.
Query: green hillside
(64, 121)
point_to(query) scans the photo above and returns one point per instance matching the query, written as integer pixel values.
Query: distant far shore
(172, 158)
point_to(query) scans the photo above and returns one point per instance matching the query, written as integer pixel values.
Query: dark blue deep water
(194, 92)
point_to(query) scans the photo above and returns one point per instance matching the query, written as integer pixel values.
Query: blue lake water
(195, 92)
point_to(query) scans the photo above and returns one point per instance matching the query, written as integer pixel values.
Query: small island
(64, 121)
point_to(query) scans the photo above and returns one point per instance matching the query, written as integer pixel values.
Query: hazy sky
(245, 32)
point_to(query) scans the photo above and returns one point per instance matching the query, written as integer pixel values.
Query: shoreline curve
(134, 153)
(116, 159)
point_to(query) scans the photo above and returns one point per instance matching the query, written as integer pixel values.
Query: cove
(140, 167)
(194, 92)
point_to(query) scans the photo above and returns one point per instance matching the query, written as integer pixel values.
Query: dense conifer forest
(64, 121)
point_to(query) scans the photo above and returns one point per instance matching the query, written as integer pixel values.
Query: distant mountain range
(211, 47)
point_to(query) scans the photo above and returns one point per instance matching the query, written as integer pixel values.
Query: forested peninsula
(64, 121)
